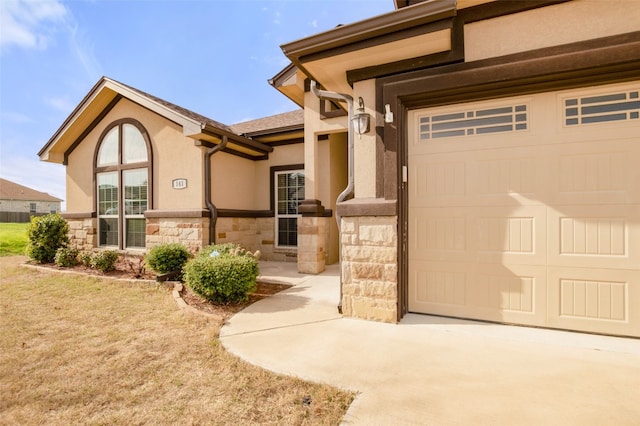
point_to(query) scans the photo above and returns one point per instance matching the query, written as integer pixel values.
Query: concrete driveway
(435, 371)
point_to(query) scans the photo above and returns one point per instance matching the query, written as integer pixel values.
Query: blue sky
(211, 56)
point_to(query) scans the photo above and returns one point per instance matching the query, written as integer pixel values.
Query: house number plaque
(179, 183)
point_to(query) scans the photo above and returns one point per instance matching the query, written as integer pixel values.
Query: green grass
(13, 238)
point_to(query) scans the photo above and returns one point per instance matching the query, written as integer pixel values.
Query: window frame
(120, 169)
(283, 170)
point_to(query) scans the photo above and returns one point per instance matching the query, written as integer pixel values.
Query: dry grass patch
(93, 351)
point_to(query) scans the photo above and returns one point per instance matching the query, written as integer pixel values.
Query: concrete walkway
(434, 371)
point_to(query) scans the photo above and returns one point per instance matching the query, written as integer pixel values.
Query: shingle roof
(271, 123)
(13, 191)
(180, 110)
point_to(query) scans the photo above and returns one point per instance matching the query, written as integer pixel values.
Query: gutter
(348, 191)
(213, 211)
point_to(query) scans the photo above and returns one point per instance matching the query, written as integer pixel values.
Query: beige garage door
(527, 210)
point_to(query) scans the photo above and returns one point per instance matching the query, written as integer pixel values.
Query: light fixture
(361, 120)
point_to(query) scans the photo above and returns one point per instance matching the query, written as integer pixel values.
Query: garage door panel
(594, 299)
(514, 294)
(600, 236)
(438, 286)
(442, 180)
(601, 172)
(487, 292)
(527, 209)
(510, 235)
(506, 177)
(440, 234)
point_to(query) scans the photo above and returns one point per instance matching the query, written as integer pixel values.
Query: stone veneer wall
(193, 232)
(370, 267)
(313, 241)
(83, 233)
(253, 234)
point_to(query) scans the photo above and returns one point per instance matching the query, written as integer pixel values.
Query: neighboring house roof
(275, 123)
(108, 92)
(13, 191)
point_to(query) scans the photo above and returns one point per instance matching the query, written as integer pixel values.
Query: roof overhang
(107, 93)
(290, 82)
(411, 32)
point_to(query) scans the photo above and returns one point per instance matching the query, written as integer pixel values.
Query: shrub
(166, 258)
(46, 235)
(104, 260)
(228, 249)
(226, 277)
(85, 258)
(66, 257)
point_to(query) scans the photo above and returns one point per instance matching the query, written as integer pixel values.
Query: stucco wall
(551, 26)
(174, 156)
(281, 156)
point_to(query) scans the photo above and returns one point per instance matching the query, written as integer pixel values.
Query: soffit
(331, 71)
(411, 32)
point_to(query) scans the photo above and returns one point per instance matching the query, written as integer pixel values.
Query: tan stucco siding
(314, 126)
(365, 145)
(285, 155)
(233, 182)
(174, 156)
(554, 25)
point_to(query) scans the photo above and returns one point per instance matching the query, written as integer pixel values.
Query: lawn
(13, 238)
(86, 350)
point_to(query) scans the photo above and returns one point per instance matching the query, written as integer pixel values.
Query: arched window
(123, 187)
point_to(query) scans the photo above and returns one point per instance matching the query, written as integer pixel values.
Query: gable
(107, 93)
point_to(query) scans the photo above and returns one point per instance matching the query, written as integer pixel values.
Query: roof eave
(407, 17)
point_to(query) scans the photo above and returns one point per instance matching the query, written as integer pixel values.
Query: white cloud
(61, 104)
(25, 23)
(314, 23)
(276, 18)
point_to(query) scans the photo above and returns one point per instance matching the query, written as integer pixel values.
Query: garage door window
(602, 108)
(474, 122)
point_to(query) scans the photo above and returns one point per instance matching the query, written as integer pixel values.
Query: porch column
(313, 235)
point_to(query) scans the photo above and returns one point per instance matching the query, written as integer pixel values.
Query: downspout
(213, 212)
(323, 94)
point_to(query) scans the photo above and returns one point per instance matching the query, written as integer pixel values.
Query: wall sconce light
(361, 121)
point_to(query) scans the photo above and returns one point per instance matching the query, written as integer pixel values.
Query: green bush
(46, 235)
(227, 249)
(104, 260)
(222, 274)
(166, 258)
(66, 257)
(85, 258)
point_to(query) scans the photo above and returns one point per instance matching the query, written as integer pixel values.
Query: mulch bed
(227, 311)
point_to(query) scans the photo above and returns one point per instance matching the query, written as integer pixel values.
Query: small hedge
(46, 235)
(104, 260)
(165, 258)
(222, 273)
(66, 257)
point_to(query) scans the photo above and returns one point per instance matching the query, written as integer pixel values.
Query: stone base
(369, 267)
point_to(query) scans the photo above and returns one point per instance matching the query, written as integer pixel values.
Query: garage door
(526, 210)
